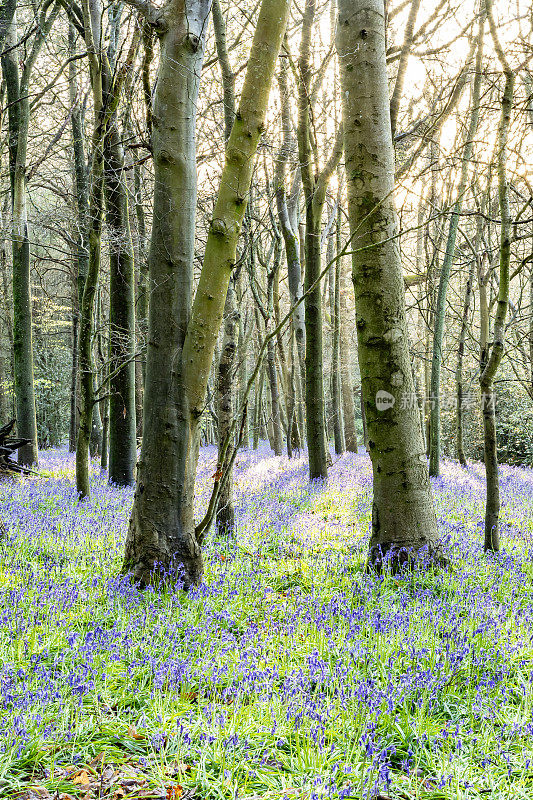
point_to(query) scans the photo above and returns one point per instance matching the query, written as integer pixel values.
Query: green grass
(272, 681)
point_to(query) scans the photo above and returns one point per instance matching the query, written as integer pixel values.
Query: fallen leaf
(97, 760)
(34, 793)
(81, 779)
(108, 774)
(132, 731)
(174, 792)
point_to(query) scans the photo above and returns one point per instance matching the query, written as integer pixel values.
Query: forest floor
(292, 673)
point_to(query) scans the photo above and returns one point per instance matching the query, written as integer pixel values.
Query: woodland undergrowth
(291, 672)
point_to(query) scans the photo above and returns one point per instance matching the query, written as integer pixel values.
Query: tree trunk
(86, 359)
(6, 350)
(122, 416)
(440, 311)
(403, 517)
(6, 329)
(73, 423)
(459, 370)
(105, 435)
(490, 363)
(314, 186)
(162, 522)
(288, 222)
(336, 394)
(225, 517)
(242, 346)
(141, 304)
(18, 122)
(277, 439)
(348, 400)
(225, 511)
(7, 12)
(95, 442)
(92, 21)
(181, 342)
(81, 191)
(258, 405)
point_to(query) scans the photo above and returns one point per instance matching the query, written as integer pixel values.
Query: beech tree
(122, 413)
(403, 516)
(314, 182)
(106, 89)
(181, 338)
(491, 355)
(18, 88)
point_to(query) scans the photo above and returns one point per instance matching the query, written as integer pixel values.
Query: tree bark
(6, 329)
(73, 422)
(122, 413)
(491, 362)
(242, 349)
(403, 517)
(162, 535)
(7, 13)
(18, 95)
(81, 191)
(258, 406)
(336, 393)
(288, 222)
(6, 333)
(348, 400)
(92, 15)
(225, 517)
(460, 398)
(314, 187)
(141, 302)
(277, 439)
(162, 524)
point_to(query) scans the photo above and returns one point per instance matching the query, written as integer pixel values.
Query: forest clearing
(292, 672)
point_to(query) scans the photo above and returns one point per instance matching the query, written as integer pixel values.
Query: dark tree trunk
(491, 358)
(73, 425)
(459, 370)
(141, 304)
(122, 417)
(18, 123)
(314, 186)
(336, 394)
(225, 517)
